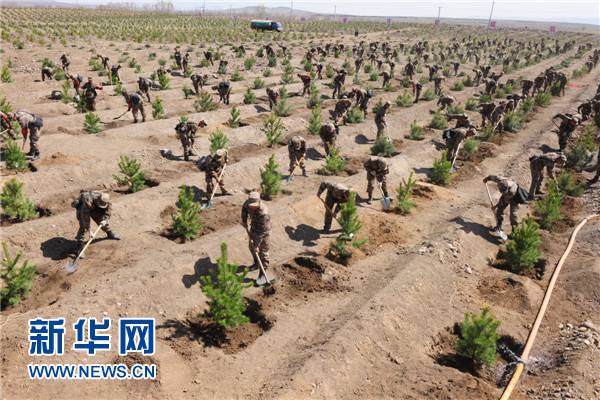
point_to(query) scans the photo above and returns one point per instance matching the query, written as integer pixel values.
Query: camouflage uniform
(114, 72)
(273, 95)
(135, 104)
(30, 124)
(224, 90)
(437, 85)
(510, 197)
(597, 176)
(297, 152)
(198, 81)
(380, 118)
(306, 80)
(144, 85)
(341, 110)
(537, 164)
(319, 71)
(90, 94)
(94, 206)
(186, 131)
(336, 195)
(338, 82)
(417, 88)
(47, 73)
(177, 57)
(377, 168)
(445, 101)
(454, 138)
(328, 134)
(214, 167)
(65, 62)
(569, 123)
(386, 78)
(486, 110)
(260, 228)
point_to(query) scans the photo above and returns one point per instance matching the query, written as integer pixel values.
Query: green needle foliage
(470, 147)
(471, 105)
(236, 117)
(5, 74)
(405, 100)
(5, 105)
(205, 103)
(270, 177)
(458, 86)
(478, 338)
(218, 140)
(355, 116)
(132, 175)
(249, 63)
(568, 185)
(334, 163)
(187, 223)
(164, 82)
(15, 204)
(416, 131)
(438, 121)
(236, 76)
(315, 120)
(258, 83)
(273, 129)
(513, 121)
(158, 110)
(383, 147)
(542, 99)
(523, 249)
(440, 174)
(16, 279)
(315, 96)
(91, 123)
(428, 95)
(404, 192)
(282, 108)
(15, 159)
(187, 91)
(249, 97)
(548, 208)
(350, 227)
(225, 293)
(65, 97)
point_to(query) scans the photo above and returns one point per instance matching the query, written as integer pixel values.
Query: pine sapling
(249, 97)
(158, 109)
(404, 192)
(17, 279)
(132, 175)
(15, 204)
(187, 222)
(478, 337)
(334, 163)
(383, 147)
(523, 249)
(5, 105)
(91, 123)
(547, 209)
(187, 91)
(5, 74)
(416, 131)
(273, 129)
(404, 100)
(15, 159)
(258, 83)
(236, 117)
(440, 173)
(270, 176)
(218, 140)
(225, 293)
(315, 120)
(315, 97)
(65, 97)
(164, 81)
(438, 121)
(355, 116)
(568, 185)
(282, 108)
(348, 219)
(205, 103)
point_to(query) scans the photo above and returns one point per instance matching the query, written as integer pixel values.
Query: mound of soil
(310, 274)
(380, 229)
(507, 292)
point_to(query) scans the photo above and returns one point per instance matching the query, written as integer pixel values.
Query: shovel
(209, 204)
(115, 118)
(268, 286)
(386, 202)
(289, 178)
(72, 266)
(455, 156)
(500, 232)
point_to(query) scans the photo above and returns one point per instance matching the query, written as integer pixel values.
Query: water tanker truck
(266, 25)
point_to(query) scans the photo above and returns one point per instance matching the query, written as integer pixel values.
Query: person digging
(258, 234)
(96, 206)
(512, 194)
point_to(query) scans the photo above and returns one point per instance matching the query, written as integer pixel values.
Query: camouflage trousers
(329, 146)
(34, 137)
(333, 206)
(537, 176)
(210, 185)
(381, 126)
(188, 145)
(382, 179)
(135, 108)
(563, 139)
(259, 247)
(300, 163)
(84, 223)
(505, 201)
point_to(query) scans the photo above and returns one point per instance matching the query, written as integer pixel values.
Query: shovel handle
(215, 188)
(260, 264)
(330, 210)
(88, 243)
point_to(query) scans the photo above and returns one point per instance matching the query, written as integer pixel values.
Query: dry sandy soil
(381, 327)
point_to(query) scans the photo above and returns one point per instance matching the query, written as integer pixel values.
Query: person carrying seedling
(30, 126)
(214, 165)
(511, 195)
(258, 234)
(96, 206)
(297, 152)
(377, 169)
(135, 104)
(336, 195)
(537, 163)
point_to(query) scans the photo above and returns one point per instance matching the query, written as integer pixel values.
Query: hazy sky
(587, 11)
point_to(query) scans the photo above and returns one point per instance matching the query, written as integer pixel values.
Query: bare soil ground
(381, 327)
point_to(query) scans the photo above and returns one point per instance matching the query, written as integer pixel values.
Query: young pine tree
(15, 205)
(205, 103)
(350, 227)
(132, 175)
(404, 192)
(383, 147)
(270, 178)
(236, 117)
(315, 97)
(273, 129)
(15, 159)
(91, 123)
(65, 97)
(249, 97)
(164, 82)
(218, 140)
(282, 108)
(315, 121)
(16, 279)
(478, 338)
(225, 293)
(523, 249)
(158, 109)
(334, 163)
(187, 223)
(548, 208)
(440, 174)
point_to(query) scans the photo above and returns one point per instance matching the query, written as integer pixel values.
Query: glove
(104, 222)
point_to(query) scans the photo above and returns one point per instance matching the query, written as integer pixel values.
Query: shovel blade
(71, 267)
(386, 202)
(502, 236)
(206, 206)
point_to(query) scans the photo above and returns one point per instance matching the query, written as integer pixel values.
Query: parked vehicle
(266, 25)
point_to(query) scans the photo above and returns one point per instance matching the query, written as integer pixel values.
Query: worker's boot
(111, 236)
(304, 172)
